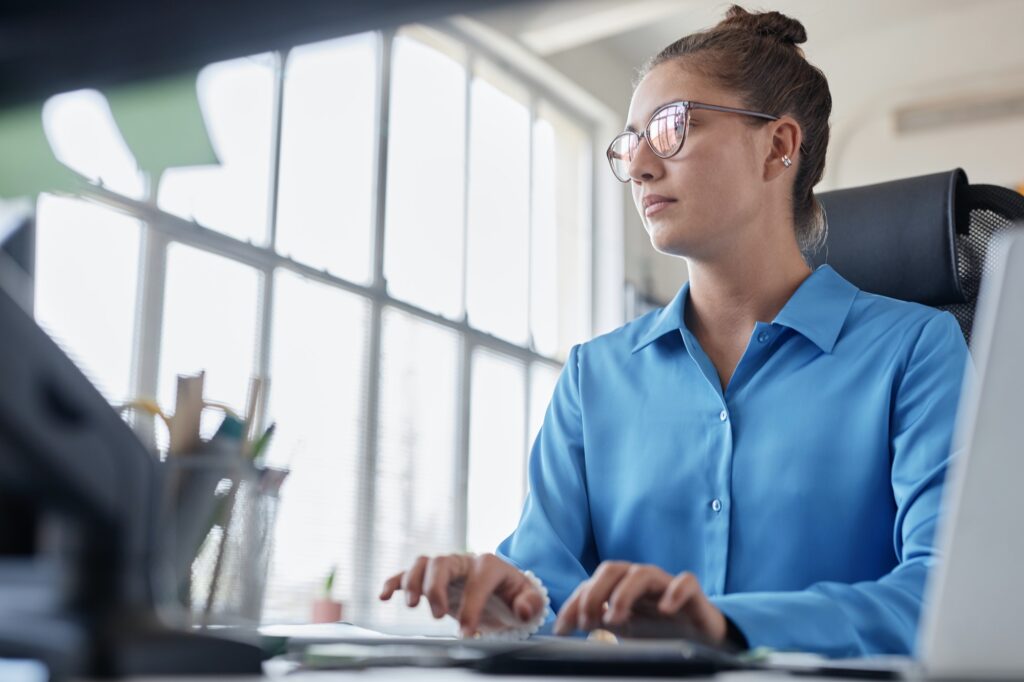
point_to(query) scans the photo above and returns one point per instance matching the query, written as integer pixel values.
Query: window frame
(159, 229)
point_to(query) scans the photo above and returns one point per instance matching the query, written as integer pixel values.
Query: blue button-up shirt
(804, 497)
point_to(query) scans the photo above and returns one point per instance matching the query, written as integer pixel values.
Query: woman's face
(713, 183)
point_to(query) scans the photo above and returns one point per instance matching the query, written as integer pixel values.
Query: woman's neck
(728, 297)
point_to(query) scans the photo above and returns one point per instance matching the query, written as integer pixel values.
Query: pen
(261, 443)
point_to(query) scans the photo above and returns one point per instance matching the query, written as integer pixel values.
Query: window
(318, 372)
(396, 238)
(424, 247)
(497, 440)
(499, 206)
(209, 318)
(416, 446)
(87, 263)
(237, 99)
(325, 190)
(83, 136)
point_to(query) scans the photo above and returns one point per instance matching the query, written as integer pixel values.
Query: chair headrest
(898, 238)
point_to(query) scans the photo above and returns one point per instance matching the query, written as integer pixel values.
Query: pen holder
(220, 519)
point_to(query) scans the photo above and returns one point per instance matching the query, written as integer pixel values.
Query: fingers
(486, 573)
(592, 600)
(429, 577)
(639, 581)
(435, 585)
(568, 615)
(527, 604)
(679, 592)
(685, 595)
(390, 585)
(412, 582)
(618, 584)
(585, 608)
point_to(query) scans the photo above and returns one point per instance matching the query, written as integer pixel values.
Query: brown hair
(756, 56)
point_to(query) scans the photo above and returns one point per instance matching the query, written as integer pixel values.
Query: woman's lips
(656, 206)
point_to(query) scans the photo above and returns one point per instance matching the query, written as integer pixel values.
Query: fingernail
(408, 598)
(436, 610)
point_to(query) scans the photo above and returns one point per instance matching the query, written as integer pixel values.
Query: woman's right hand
(484, 575)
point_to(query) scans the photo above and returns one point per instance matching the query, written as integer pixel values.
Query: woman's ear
(785, 147)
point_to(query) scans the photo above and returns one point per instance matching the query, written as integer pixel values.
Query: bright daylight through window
(397, 237)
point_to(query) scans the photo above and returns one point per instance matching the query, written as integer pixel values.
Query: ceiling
(880, 56)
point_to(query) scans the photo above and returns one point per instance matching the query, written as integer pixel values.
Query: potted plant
(326, 609)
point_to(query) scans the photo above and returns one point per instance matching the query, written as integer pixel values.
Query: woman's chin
(667, 239)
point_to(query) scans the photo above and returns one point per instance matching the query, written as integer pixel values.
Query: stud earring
(786, 161)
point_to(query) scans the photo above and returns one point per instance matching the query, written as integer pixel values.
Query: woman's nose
(645, 164)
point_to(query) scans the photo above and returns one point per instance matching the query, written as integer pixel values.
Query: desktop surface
(447, 675)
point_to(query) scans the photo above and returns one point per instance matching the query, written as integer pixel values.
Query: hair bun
(768, 24)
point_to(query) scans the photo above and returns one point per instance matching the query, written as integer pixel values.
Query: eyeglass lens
(664, 132)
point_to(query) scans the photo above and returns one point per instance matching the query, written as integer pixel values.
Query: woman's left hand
(641, 600)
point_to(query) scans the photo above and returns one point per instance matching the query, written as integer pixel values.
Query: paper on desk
(321, 631)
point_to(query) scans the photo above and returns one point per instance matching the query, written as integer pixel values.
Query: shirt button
(716, 504)
(723, 415)
(762, 337)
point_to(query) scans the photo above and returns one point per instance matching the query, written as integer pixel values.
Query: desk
(460, 675)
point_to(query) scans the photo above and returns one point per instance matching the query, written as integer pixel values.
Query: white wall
(879, 56)
(973, 53)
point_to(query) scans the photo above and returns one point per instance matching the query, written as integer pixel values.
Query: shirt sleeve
(554, 538)
(879, 616)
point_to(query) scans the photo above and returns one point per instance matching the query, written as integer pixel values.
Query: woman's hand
(484, 574)
(640, 600)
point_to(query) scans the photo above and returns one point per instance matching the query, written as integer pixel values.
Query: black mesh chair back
(922, 239)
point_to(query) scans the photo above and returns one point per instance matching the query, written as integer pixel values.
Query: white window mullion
(266, 302)
(465, 387)
(527, 436)
(366, 511)
(470, 60)
(465, 384)
(531, 226)
(149, 314)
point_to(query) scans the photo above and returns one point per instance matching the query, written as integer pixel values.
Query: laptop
(972, 625)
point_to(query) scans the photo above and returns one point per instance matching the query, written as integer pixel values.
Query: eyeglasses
(665, 134)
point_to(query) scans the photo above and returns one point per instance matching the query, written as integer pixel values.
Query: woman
(762, 458)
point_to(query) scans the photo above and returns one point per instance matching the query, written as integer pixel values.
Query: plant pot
(326, 611)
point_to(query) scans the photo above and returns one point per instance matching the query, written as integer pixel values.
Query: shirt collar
(670, 319)
(817, 310)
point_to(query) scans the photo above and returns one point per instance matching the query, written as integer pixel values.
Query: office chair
(922, 239)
